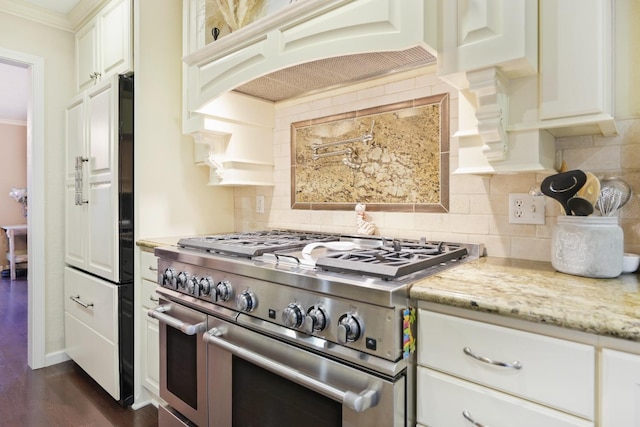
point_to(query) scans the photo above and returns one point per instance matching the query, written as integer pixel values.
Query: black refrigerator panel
(126, 240)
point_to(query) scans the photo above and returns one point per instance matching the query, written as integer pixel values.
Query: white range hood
(304, 47)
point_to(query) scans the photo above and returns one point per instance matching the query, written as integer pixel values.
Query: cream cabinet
(91, 327)
(576, 64)
(91, 214)
(475, 35)
(620, 393)
(498, 376)
(104, 45)
(150, 360)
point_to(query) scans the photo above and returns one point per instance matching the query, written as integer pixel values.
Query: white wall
(56, 47)
(172, 196)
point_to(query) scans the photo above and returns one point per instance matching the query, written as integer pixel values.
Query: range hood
(305, 47)
(325, 74)
(308, 46)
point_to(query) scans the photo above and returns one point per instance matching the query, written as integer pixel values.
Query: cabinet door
(620, 389)
(484, 33)
(102, 173)
(75, 225)
(115, 38)
(575, 58)
(151, 357)
(446, 401)
(86, 55)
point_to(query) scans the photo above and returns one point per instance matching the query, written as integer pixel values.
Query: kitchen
(168, 195)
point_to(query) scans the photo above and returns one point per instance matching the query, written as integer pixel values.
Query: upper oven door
(183, 359)
(255, 380)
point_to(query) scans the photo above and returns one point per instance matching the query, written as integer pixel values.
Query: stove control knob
(293, 315)
(316, 319)
(192, 287)
(246, 301)
(169, 278)
(348, 329)
(223, 291)
(205, 285)
(182, 280)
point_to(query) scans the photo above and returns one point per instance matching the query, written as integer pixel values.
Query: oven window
(182, 366)
(263, 399)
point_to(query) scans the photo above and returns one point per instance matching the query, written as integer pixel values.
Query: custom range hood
(301, 48)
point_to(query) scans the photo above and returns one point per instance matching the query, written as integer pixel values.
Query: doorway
(36, 352)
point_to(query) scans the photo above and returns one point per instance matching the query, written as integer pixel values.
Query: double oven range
(287, 327)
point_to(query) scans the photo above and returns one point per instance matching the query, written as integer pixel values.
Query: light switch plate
(526, 209)
(260, 204)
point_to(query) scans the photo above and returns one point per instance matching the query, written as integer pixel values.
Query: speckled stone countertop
(154, 242)
(535, 292)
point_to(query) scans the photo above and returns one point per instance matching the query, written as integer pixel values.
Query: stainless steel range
(294, 327)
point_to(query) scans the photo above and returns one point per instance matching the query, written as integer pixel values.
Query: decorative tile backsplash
(391, 157)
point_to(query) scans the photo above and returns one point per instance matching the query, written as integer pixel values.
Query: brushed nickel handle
(513, 365)
(77, 300)
(152, 268)
(358, 401)
(469, 418)
(154, 299)
(186, 328)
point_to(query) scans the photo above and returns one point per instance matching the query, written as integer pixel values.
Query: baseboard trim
(55, 358)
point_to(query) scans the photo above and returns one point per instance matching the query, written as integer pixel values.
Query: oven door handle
(186, 328)
(359, 402)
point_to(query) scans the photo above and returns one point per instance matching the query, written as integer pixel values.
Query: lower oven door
(183, 360)
(256, 380)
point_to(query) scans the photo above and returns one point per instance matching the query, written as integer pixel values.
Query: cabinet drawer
(442, 400)
(554, 372)
(148, 266)
(149, 296)
(100, 298)
(93, 353)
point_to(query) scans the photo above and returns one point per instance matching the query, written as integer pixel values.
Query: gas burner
(252, 244)
(390, 262)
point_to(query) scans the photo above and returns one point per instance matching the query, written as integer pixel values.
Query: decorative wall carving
(392, 157)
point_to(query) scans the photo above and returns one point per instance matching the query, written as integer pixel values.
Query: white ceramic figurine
(364, 226)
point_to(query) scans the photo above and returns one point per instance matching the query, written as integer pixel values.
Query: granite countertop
(154, 242)
(535, 292)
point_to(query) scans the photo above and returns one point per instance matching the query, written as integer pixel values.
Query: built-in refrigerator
(99, 243)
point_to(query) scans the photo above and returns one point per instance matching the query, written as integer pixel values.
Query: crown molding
(37, 14)
(78, 16)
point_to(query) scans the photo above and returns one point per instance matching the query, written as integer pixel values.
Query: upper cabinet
(104, 45)
(527, 72)
(576, 66)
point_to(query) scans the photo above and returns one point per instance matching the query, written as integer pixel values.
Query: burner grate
(253, 243)
(388, 263)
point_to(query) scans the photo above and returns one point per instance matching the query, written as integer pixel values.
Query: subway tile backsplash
(478, 204)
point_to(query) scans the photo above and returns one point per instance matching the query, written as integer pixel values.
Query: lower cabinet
(473, 372)
(150, 359)
(449, 401)
(620, 392)
(91, 327)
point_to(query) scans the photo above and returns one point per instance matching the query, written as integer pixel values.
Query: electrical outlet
(526, 209)
(260, 204)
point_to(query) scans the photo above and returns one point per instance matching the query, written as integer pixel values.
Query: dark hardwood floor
(59, 395)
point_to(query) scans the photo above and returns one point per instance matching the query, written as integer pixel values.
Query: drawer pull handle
(513, 365)
(469, 418)
(77, 299)
(152, 268)
(154, 299)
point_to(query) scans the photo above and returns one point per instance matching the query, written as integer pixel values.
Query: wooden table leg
(12, 254)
